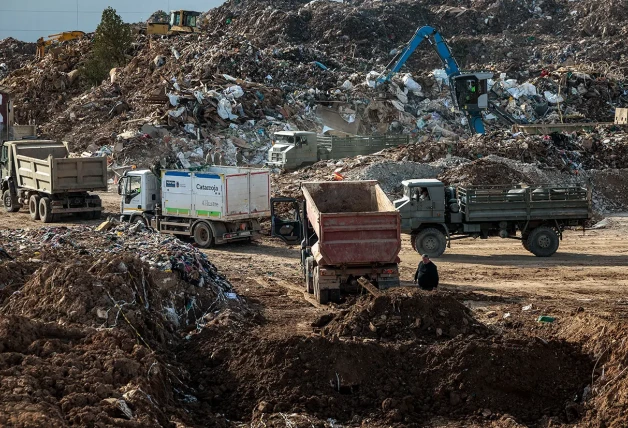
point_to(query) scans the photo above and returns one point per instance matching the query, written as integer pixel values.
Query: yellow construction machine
(55, 39)
(181, 21)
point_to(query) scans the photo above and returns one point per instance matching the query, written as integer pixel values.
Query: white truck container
(214, 206)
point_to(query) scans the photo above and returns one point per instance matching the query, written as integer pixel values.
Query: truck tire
(33, 206)
(309, 274)
(203, 235)
(430, 241)
(524, 241)
(10, 204)
(543, 241)
(45, 210)
(138, 219)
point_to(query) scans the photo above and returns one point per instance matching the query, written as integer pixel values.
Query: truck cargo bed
(58, 175)
(480, 204)
(355, 223)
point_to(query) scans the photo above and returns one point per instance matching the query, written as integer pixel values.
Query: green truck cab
(434, 214)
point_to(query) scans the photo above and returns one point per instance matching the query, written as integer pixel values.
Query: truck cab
(140, 194)
(291, 149)
(423, 201)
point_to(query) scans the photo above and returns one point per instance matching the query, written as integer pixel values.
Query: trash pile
(14, 54)
(88, 328)
(218, 96)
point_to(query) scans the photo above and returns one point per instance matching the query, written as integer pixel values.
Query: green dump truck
(434, 214)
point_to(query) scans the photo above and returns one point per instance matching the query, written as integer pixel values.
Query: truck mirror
(120, 187)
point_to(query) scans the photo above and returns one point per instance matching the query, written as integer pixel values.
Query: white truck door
(176, 193)
(208, 191)
(237, 195)
(260, 193)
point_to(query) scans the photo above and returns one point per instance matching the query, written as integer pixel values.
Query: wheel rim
(32, 206)
(544, 241)
(203, 234)
(7, 200)
(430, 243)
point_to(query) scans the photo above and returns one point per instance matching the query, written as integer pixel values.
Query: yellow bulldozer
(42, 43)
(181, 21)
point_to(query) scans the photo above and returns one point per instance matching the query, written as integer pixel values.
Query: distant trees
(111, 42)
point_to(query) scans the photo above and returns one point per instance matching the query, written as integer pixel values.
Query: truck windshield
(133, 185)
(296, 140)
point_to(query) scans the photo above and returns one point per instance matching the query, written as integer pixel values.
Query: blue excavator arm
(474, 114)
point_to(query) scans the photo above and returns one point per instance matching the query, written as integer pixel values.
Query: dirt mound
(406, 315)
(346, 380)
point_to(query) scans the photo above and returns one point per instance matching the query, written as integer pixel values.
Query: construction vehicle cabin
(181, 21)
(42, 43)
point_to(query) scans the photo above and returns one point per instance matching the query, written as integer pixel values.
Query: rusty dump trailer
(346, 229)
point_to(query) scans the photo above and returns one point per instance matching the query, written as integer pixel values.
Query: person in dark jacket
(426, 274)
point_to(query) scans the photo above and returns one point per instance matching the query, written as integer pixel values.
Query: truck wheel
(10, 204)
(543, 241)
(524, 241)
(413, 241)
(33, 206)
(45, 210)
(309, 275)
(203, 235)
(430, 241)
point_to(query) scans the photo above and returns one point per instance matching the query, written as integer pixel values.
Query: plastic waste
(225, 110)
(411, 84)
(371, 78)
(441, 76)
(546, 319)
(347, 85)
(321, 65)
(552, 98)
(234, 91)
(174, 100)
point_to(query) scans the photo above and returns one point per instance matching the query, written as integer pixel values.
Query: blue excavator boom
(468, 89)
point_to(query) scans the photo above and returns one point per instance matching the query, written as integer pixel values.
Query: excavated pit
(432, 359)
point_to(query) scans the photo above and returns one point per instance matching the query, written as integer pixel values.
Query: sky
(28, 20)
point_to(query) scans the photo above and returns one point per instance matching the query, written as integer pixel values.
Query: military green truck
(294, 149)
(434, 214)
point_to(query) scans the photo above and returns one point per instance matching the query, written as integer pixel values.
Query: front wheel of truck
(10, 204)
(430, 241)
(543, 241)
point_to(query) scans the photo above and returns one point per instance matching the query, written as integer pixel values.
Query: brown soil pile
(347, 380)
(406, 315)
(86, 332)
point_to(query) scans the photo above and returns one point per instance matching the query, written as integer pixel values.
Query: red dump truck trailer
(347, 230)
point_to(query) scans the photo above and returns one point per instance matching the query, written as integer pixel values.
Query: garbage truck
(434, 214)
(214, 205)
(41, 175)
(347, 230)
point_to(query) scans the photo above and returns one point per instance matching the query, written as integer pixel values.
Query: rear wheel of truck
(45, 210)
(33, 206)
(543, 241)
(524, 241)
(203, 235)
(10, 204)
(430, 241)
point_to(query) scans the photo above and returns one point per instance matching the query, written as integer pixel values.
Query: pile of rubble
(89, 320)
(14, 54)
(193, 98)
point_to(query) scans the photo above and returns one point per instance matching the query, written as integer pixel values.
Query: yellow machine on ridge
(56, 38)
(181, 21)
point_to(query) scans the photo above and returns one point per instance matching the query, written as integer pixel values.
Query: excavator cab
(470, 90)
